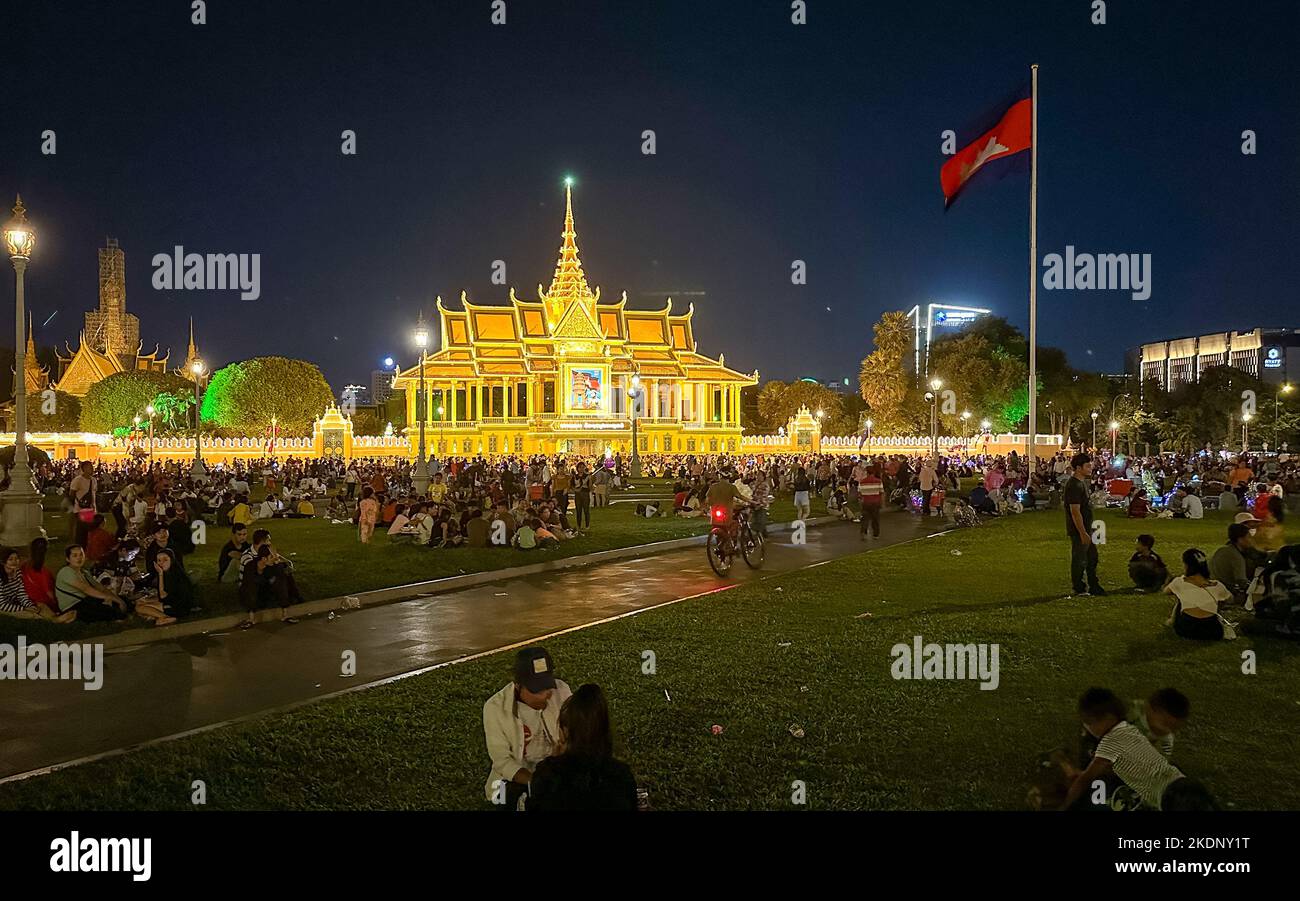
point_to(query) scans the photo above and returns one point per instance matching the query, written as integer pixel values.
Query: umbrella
(35, 456)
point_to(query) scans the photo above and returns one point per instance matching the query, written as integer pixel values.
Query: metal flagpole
(1033, 265)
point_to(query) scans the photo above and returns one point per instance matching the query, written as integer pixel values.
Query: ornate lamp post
(199, 472)
(442, 434)
(869, 425)
(150, 411)
(933, 398)
(1245, 432)
(633, 393)
(420, 475)
(22, 502)
(1094, 429)
(965, 421)
(1114, 432)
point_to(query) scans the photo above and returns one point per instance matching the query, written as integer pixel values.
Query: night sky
(775, 142)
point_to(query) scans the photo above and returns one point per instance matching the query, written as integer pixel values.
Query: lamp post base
(199, 472)
(23, 515)
(420, 476)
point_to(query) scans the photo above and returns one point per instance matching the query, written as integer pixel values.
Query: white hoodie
(504, 730)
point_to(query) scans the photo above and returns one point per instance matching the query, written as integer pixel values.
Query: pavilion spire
(569, 282)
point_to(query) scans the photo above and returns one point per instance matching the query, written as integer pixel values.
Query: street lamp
(965, 419)
(1277, 402)
(869, 425)
(150, 411)
(22, 502)
(442, 437)
(1095, 414)
(1245, 432)
(199, 472)
(1114, 431)
(933, 398)
(420, 477)
(633, 393)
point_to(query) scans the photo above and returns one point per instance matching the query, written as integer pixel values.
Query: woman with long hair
(582, 774)
(1270, 535)
(13, 593)
(1196, 612)
(38, 579)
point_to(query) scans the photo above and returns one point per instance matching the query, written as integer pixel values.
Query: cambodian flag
(1004, 133)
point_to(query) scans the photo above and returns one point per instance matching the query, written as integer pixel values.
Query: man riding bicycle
(723, 500)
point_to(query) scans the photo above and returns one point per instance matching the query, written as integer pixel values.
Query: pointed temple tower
(110, 341)
(36, 378)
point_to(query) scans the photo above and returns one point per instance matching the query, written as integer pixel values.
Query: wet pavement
(160, 689)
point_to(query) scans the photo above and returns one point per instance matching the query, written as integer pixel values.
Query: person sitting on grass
(476, 529)
(1125, 753)
(99, 541)
(1145, 567)
(38, 579)
(175, 591)
(521, 724)
(502, 514)
(399, 523)
(1139, 507)
(241, 513)
(1230, 564)
(525, 536)
(232, 550)
(76, 590)
(266, 579)
(979, 499)
(582, 773)
(13, 593)
(1196, 611)
(545, 537)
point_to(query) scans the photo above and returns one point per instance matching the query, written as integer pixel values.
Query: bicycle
(726, 539)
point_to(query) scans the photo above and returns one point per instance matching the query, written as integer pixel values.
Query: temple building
(36, 378)
(556, 375)
(110, 340)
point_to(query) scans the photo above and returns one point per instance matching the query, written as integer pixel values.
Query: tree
(987, 380)
(883, 379)
(778, 401)
(242, 397)
(64, 417)
(114, 402)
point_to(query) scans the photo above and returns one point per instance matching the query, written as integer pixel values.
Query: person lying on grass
(1124, 753)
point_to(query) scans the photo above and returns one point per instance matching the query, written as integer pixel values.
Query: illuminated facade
(554, 375)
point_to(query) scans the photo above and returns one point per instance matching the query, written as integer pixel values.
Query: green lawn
(329, 560)
(791, 650)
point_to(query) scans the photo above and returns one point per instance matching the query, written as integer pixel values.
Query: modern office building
(938, 317)
(1270, 354)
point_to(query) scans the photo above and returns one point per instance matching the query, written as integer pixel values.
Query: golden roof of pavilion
(569, 322)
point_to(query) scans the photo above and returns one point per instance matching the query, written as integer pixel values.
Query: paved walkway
(155, 690)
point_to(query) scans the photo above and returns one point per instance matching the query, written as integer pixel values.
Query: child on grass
(1145, 567)
(1124, 752)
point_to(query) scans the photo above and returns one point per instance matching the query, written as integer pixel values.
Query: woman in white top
(1196, 614)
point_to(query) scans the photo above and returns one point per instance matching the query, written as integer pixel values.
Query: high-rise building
(1270, 354)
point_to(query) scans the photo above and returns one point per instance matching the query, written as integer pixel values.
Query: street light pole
(933, 398)
(1114, 432)
(22, 503)
(420, 477)
(1277, 403)
(1094, 430)
(635, 392)
(150, 410)
(869, 425)
(965, 420)
(1245, 432)
(199, 473)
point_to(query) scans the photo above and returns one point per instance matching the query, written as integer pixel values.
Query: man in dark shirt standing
(1078, 525)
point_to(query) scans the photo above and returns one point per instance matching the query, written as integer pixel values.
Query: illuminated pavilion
(553, 375)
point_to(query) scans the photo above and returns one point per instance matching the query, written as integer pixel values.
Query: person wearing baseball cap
(521, 725)
(1231, 563)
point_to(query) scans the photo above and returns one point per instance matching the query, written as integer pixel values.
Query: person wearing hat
(521, 725)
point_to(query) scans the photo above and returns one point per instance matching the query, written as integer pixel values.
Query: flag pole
(1033, 267)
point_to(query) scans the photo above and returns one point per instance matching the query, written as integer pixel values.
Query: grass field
(793, 650)
(329, 560)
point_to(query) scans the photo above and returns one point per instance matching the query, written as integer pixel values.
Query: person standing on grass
(802, 488)
(367, 514)
(929, 481)
(1078, 526)
(871, 494)
(582, 496)
(521, 724)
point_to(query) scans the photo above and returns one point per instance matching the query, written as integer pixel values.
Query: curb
(132, 638)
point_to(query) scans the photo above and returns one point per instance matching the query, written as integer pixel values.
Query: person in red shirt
(99, 541)
(871, 495)
(37, 578)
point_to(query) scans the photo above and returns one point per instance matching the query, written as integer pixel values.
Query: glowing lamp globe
(19, 236)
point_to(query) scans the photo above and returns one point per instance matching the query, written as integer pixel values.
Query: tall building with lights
(567, 373)
(1270, 354)
(937, 319)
